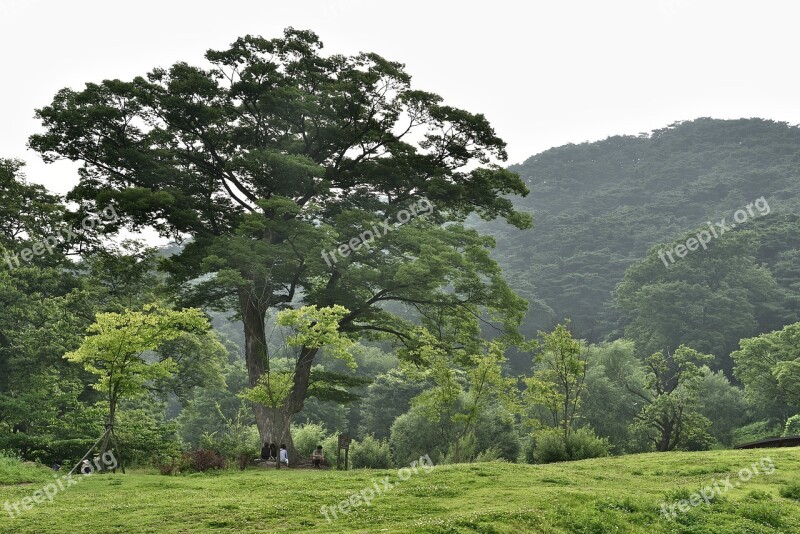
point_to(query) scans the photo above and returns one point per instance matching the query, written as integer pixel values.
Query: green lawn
(621, 494)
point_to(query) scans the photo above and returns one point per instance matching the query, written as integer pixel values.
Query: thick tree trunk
(273, 423)
(273, 427)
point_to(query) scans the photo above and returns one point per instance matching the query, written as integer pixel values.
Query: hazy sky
(544, 73)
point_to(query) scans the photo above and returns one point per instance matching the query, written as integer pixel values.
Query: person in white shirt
(284, 455)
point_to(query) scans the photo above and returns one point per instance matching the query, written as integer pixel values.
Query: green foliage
(791, 491)
(755, 432)
(551, 446)
(115, 349)
(313, 328)
(724, 405)
(610, 402)
(458, 397)
(558, 379)
(496, 434)
(708, 300)
(306, 438)
(209, 408)
(239, 440)
(413, 434)
(144, 437)
(792, 426)
(28, 213)
(492, 454)
(14, 471)
(371, 453)
(601, 206)
(388, 397)
(669, 416)
(769, 367)
(200, 461)
(316, 328)
(218, 154)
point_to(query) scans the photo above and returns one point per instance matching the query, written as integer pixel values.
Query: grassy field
(621, 494)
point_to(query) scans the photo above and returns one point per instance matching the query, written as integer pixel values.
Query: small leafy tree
(559, 377)
(459, 397)
(119, 350)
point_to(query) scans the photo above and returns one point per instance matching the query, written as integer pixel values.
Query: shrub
(759, 495)
(550, 447)
(201, 461)
(371, 453)
(329, 445)
(240, 446)
(527, 450)
(144, 438)
(579, 445)
(492, 454)
(465, 453)
(495, 429)
(755, 432)
(791, 491)
(414, 435)
(168, 468)
(306, 438)
(14, 471)
(792, 426)
(583, 443)
(45, 449)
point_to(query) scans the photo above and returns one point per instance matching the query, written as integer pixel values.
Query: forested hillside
(598, 208)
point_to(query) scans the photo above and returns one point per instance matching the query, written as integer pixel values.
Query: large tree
(274, 154)
(707, 300)
(670, 415)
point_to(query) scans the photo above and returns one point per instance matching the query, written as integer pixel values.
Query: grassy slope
(621, 494)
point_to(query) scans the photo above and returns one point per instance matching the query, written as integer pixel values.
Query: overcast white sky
(544, 73)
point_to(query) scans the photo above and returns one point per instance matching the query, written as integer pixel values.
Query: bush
(755, 432)
(45, 449)
(495, 429)
(583, 444)
(492, 454)
(169, 467)
(792, 426)
(413, 435)
(527, 449)
(329, 445)
(791, 491)
(144, 438)
(580, 444)
(550, 447)
(306, 438)
(371, 453)
(201, 461)
(14, 471)
(240, 446)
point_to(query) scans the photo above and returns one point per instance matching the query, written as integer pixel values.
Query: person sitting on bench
(284, 455)
(265, 452)
(318, 457)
